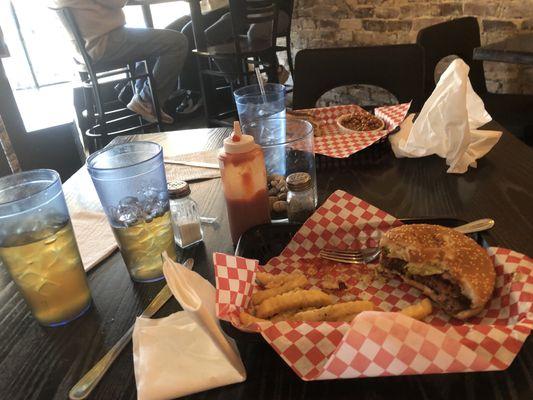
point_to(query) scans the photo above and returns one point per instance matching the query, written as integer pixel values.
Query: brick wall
(330, 23)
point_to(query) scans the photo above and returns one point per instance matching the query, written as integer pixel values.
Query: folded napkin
(191, 173)
(447, 125)
(186, 352)
(94, 237)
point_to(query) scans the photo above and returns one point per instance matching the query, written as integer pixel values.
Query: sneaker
(144, 109)
(190, 103)
(165, 118)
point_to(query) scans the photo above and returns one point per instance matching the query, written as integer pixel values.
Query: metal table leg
(147, 14)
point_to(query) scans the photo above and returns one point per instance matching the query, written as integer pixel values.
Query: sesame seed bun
(459, 257)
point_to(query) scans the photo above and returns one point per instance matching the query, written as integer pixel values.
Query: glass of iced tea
(132, 187)
(38, 248)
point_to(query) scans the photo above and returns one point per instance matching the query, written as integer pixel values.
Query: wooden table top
(517, 49)
(43, 363)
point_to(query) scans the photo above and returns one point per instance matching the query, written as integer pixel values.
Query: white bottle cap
(237, 142)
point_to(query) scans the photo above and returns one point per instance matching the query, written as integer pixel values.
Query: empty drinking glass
(288, 147)
(38, 247)
(131, 184)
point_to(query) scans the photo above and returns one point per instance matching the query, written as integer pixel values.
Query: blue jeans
(164, 50)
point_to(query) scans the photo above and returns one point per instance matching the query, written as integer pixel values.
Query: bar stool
(9, 162)
(106, 120)
(288, 7)
(241, 53)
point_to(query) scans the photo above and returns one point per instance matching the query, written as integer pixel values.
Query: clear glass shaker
(184, 214)
(301, 197)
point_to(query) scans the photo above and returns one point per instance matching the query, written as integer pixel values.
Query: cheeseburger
(449, 267)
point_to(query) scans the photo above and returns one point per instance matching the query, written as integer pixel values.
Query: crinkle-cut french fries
(263, 278)
(284, 316)
(418, 310)
(299, 281)
(329, 283)
(248, 319)
(348, 318)
(335, 312)
(269, 281)
(292, 300)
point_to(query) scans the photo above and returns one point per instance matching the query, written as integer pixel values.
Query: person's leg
(221, 31)
(189, 78)
(263, 31)
(179, 24)
(166, 46)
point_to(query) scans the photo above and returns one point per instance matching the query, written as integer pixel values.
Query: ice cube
(128, 201)
(50, 239)
(48, 288)
(32, 280)
(148, 193)
(56, 221)
(129, 211)
(154, 203)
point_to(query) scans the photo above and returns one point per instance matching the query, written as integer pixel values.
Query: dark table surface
(517, 49)
(43, 363)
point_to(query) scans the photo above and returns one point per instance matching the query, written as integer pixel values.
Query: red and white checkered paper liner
(341, 145)
(381, 343)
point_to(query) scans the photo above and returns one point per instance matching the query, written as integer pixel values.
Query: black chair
(396, 68)
(287, 6)
(238, 57)
(106, 119)
(460, 37)
(9, 162)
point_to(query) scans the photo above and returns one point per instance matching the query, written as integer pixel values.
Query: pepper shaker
(300, 197)
(184, 213)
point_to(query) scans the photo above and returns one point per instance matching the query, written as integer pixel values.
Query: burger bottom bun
(464, 314)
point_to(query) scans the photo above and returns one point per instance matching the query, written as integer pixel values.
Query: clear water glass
(131, 184)
(252, 105)
(38, 247)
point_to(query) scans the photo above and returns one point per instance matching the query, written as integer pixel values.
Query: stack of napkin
(186, 352)
(447, 125)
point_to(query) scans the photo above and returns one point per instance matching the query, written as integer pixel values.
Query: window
(40, 69)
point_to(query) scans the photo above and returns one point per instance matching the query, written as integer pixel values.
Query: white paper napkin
(94, 237)
(447, 125)
(186, 352)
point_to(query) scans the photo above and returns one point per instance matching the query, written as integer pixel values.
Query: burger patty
(448, 293)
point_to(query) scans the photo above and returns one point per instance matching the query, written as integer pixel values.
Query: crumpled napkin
(447, 125)
(186, 352)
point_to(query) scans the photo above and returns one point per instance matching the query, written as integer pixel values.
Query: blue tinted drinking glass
(131, 184)
(38, 247)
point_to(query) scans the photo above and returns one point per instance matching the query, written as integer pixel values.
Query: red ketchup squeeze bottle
(242, 168)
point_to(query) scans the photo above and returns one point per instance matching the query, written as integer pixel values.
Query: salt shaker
(300, 197)
(184, 213)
